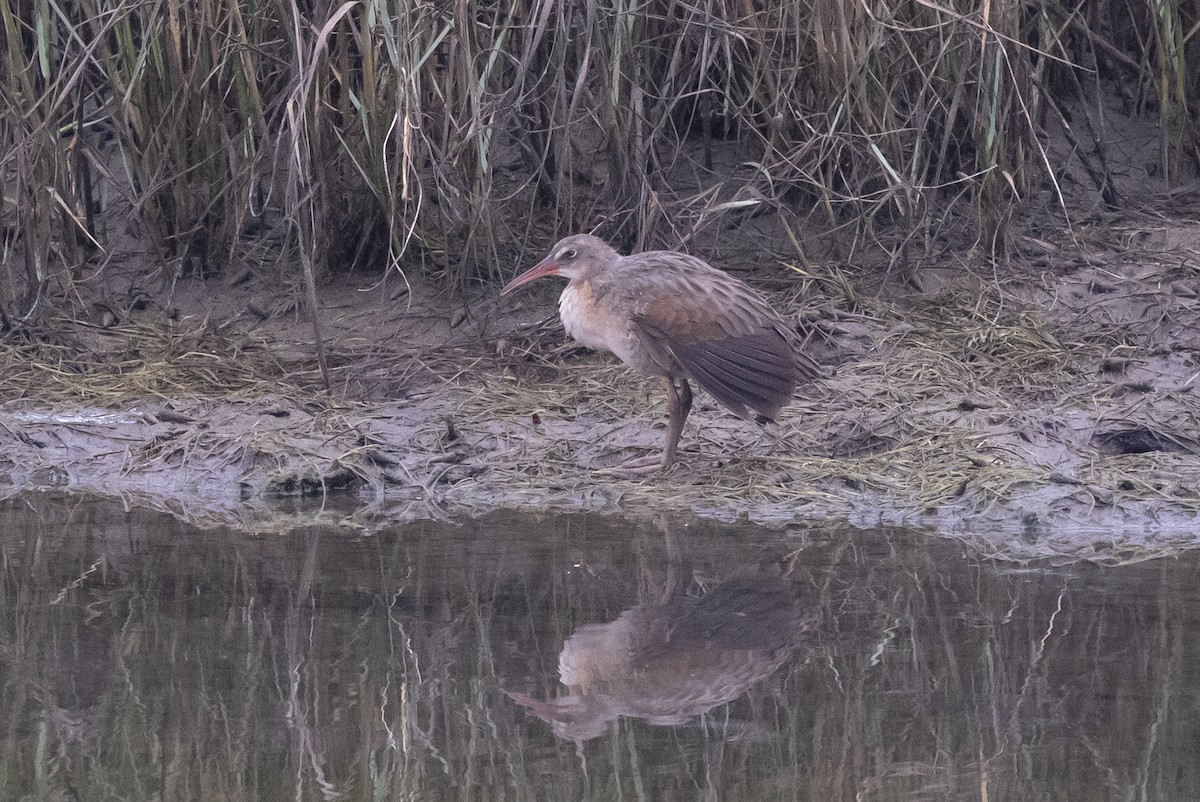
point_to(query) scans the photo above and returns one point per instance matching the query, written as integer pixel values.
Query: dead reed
(446, 137)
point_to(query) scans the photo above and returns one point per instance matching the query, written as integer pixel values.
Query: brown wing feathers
(753, 370)
(717, 330)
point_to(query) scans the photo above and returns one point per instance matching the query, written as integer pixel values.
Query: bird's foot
(635, 468)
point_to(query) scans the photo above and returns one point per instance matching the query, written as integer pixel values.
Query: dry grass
(447, 139)
(974, 410)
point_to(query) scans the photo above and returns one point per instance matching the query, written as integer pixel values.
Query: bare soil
(1042, 404)
(1052, 409)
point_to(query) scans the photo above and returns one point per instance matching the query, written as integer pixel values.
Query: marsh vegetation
(287, 219)
(445, 138)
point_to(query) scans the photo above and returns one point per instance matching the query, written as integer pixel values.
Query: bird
(670, 315)
(669, 662)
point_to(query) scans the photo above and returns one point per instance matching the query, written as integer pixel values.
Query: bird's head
(577, 256)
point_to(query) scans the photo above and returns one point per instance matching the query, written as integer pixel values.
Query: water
(143, 659)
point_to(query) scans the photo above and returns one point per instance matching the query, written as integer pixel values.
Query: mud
(1050, 408)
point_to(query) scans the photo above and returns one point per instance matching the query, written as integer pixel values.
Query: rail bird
(670, 315)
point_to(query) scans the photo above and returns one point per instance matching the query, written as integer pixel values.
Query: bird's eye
(569, 253)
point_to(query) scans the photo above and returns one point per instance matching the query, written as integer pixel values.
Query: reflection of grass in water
(227, 667)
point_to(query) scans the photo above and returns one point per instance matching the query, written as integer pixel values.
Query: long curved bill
(546, 267)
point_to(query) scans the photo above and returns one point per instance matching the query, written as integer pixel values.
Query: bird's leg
(679, 404)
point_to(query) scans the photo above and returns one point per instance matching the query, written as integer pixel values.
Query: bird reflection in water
(673, 660)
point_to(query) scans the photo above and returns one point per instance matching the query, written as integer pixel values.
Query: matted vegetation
(1039, 419)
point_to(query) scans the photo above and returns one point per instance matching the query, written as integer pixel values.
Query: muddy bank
(1051, 410)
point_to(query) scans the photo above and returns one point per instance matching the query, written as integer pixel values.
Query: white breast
(594, 325)
(583, 320)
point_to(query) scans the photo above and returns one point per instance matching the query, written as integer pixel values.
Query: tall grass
(451, 137)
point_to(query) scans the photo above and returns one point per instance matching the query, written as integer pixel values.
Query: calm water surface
(580, 658)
